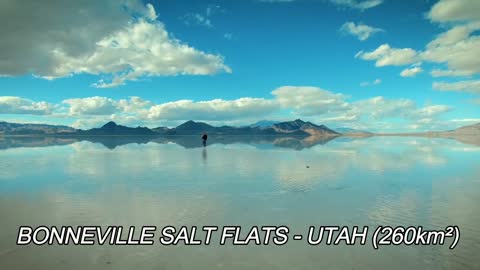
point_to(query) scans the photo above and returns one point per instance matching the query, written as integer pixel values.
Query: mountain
(297, 128)
(307, 127)
(32, 129)
(197, 128)
(162, 130)
(264, 124)
(351, 131)
(111, 128)
(466, 134)
(192, 127)
(466, 130)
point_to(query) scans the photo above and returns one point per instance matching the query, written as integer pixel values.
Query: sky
(379, 65)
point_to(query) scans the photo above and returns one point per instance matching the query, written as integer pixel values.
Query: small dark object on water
(308, 166)
(204, 138)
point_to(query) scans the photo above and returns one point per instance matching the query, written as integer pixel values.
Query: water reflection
(204, 155)
(240, 181)
(111, 142)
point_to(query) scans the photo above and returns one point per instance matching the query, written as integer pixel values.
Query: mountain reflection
(111, 142)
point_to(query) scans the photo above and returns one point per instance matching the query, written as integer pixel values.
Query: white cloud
(385, 55)
(375, 82)
(361, 31)
(91, 106)
(470, 86)
(449, 73)
(97, 106)
(18, 105)
(357, 4)
(430, 111)
(119, 40)
(202, 18)
(341, 118)
(216, 109)
(308, 101)
(133, 104)
(380, 107)
(457, 48)
(287, 103)
(141, 49)
(455, 10)
(466, 120)
(411, 72)
(152, 14)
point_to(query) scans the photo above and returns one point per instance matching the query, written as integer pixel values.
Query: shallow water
(115, 181)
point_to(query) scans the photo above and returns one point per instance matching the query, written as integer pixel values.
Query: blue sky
(380, 65)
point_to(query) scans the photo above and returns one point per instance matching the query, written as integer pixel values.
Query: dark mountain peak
(111, 128)
(290, 125)
(299, 121)
(264, 124)
(192, 125)
(110, 124)
(307, 127)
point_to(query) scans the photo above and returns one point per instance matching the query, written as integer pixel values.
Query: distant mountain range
(111, 142)
(465, 130)
(111, 128)
(264, 123)
(292, 128)
(32, 129)
(351, 131)
(295, 128)
(307, 127)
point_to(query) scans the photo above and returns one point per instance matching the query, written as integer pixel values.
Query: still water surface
(365, 182)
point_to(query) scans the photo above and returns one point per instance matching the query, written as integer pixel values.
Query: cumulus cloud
(216, 109)
(457, 48)
(449, 73)
(141, 49)
(375, 82)
(18, 105)
(430, 111)
(385, 55)
(455, 10)
(470, 86)
(133, 104)
(411, 72)
(357, 4)
(105, 106)
(91, 106)
(118, 40)
(286, 103)
(466, 120)
(361, 31)
(380, 107)
(308, 101)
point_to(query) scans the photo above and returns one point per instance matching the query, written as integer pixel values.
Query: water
(239, 181)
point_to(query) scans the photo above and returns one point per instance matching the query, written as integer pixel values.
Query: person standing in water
(204, 138)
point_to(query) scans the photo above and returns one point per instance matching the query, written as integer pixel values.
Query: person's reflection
(204, 155)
